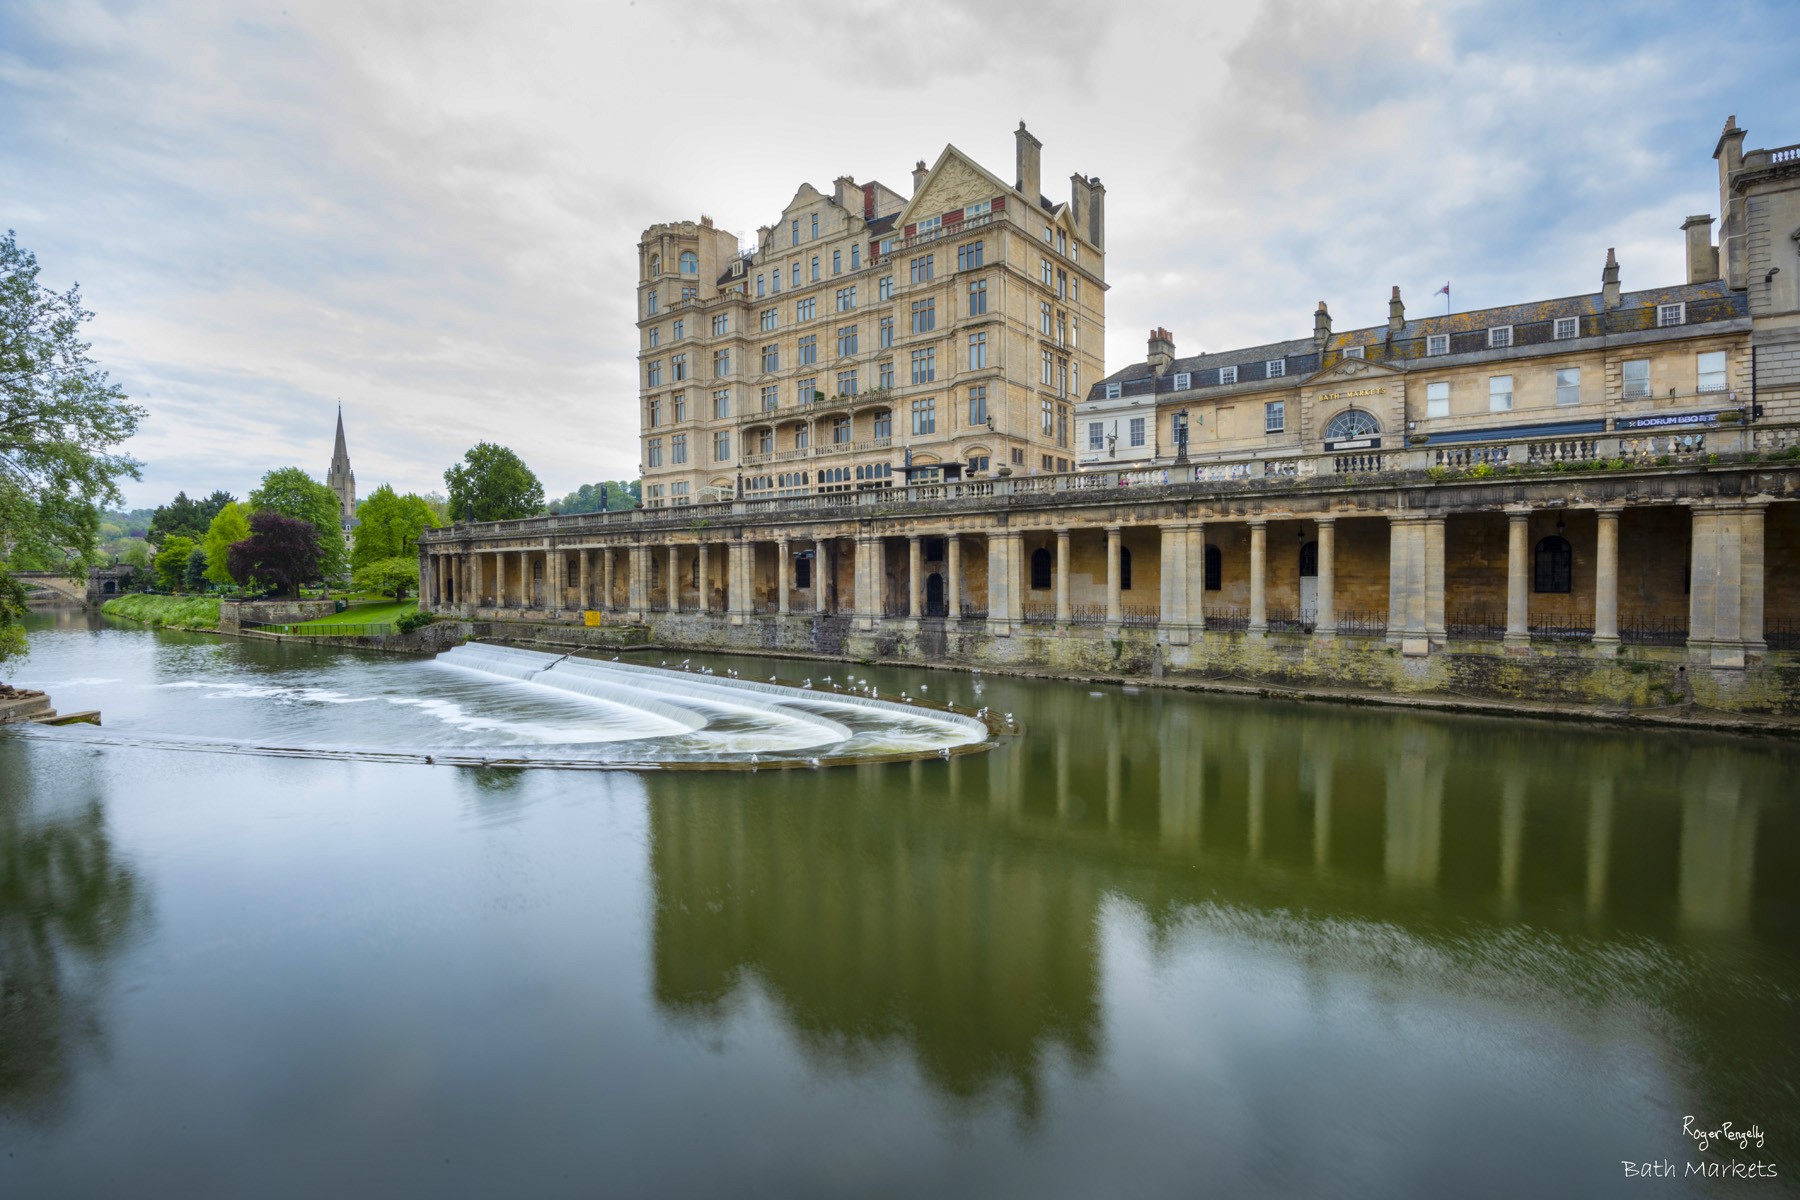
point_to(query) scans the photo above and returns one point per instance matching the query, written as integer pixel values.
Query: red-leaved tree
(281, 553)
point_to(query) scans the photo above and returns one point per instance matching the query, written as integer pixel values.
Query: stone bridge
(102, 582)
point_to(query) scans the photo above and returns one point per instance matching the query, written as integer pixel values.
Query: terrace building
(871, 339)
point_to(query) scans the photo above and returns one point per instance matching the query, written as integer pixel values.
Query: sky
(429, 212)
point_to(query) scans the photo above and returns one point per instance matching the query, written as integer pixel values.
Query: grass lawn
(378, 612)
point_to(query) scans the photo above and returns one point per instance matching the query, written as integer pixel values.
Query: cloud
(431, 213)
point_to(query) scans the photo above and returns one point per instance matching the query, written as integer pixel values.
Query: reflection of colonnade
(1712, 573)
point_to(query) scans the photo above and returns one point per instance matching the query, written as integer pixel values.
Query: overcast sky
(430, 211)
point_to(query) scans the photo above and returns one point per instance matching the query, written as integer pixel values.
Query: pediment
(806, 197)
(954, 181)
(1349, 370)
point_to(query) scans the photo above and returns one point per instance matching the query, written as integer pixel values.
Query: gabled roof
(905, 215)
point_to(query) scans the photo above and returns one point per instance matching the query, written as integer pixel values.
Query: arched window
(1215, 569)
(1040, 569)
(1351, 423)
(1124, 568)
(690, 263)
(1309, 559)
(1554, 565)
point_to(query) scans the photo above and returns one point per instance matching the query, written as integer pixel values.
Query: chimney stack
(1162, 351)
(1321, 328)
(1609, 281)
(920, 171)
(1029, 149)
(843, 190)
(1396, 313)
(1729, 152)
(1702, 255)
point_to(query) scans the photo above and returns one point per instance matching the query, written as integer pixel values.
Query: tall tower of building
(340, 478)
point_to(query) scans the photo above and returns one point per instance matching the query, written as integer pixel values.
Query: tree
(293, 493)
(189, 518)
(171, 562)
(231, 525)
(281, 553)
(492, 484)
(391, 576)
(60, 419)
(587, 498)
(194, 579)
(389, 526)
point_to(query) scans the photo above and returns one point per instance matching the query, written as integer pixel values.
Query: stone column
(1063, 612)
(1015, 577)
(1115, 592)
(607, 580)
(525, 596)
(1434, 580)
(1606, 580)
(1259, 576)
(868, 581)
(738, 589)
(584, 582)
(637, 583)
(1172, 612)
(1751, 584)
(915, 567)
(674, 578)
(952, 577)
(1325, 618)
(999, 581)
(500, 579)
(704, 567)
(471, 592)
(1196, 571)
(821, 565)
(783, 562)
(1518, 579)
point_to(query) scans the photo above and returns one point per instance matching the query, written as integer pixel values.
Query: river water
(1159, 944)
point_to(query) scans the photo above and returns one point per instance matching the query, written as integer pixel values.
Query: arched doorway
(1309, 580)
(934, 595)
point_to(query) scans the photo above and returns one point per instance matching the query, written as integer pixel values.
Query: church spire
(339, 477)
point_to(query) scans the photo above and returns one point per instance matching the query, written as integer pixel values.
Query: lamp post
(1181, 435)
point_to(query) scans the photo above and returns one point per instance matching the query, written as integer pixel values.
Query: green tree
(492, 484)
(60, 420)
(389, 526)
(232, 524)
(293, 493)
(392, 576)
(587, 498)
(194, 579)
(187, 517)
(171, 562)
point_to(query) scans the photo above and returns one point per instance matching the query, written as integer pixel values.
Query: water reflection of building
(950, 912)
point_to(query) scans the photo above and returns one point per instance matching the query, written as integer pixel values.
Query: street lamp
(1181, 435)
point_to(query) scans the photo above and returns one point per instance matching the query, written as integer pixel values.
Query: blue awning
(1501, 433)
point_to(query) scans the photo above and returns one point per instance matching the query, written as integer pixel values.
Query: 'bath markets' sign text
(1375, 391)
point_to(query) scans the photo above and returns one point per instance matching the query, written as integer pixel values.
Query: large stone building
(870, 337)
(1594, 499)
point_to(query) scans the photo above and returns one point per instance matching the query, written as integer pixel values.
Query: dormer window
(1670, 314)
(1227, 374)
(1275, 368)
(1183, 381)
(1112, 391)
(1436, 343)
(1353, 352)
(1567, 327)
(1499, 337)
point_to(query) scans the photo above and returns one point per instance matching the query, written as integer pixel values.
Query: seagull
(771, 679)
(924, 687)
(944, 753)
(813, 762)
(615, 658)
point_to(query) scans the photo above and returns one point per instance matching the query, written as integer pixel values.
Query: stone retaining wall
(233, 614)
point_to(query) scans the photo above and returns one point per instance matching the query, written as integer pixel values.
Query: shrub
(414, 620)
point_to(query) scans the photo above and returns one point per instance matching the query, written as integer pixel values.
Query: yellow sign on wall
(590, 617)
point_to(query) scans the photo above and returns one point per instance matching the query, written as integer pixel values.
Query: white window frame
(1353, 352)
(1275, 368)
(1096, 435)
(1137, 431)
(1635, 389)
(1701, 374)
(1500, 337)
(1227, 375)
(1436, 344)
(1113, 390)
(1570, 392)
(1183, 380)
(1437, 400)
(1668, 315)
(1500, 399)
(1275, 416)
(1565, 328)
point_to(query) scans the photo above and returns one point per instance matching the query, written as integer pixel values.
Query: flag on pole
(1443, 291)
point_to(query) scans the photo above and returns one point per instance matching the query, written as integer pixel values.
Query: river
(1160, 943)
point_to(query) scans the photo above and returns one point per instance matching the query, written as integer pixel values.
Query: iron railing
(1227, 618)
(1560, 627)
(1140, 616)
(1475, 625)
(1362, 623)
(1292, 620)
(339, 629)
(1782, 634)
(1640, 629)
(1038, 614)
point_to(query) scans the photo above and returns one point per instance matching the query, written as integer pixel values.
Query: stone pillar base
(999, 629)
(1415, 646)
(1174, 635)
(1606, 647)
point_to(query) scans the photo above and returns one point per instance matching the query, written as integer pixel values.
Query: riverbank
(199, 613)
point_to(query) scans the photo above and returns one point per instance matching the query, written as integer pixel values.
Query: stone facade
(869, 335)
